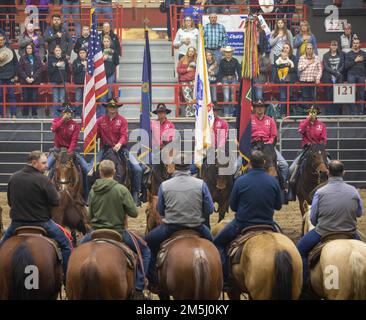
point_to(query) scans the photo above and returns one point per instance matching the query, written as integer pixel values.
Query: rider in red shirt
(163, 130)
(220, 129)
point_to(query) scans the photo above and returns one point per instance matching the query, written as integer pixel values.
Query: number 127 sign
(344, 93)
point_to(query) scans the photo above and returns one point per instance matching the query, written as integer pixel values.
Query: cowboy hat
(228, 49)
(161, 107)
(112, 103)
(66, 108)
(7, 55)
(259, 103)
(267, 6)
(313, 110)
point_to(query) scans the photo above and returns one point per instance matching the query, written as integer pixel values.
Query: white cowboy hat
(228, 49)
(267, 6)
(7, 55)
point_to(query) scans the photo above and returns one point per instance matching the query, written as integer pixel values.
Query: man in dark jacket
(30, 197)
(83, 41)
(78, 70)
(8, 68)
(106, 31)
(254, 197)
(109, 203)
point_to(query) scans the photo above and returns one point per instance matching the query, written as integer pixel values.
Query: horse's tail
(282, 289)
(201, 271)
(21, 259)
(90, 280)
(358, 274)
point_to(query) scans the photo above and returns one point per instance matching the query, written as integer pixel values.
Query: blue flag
(146, 102)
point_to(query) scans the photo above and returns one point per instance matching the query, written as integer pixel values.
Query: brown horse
(191, 268)
(67, 178)
(340, 273)
(314, 172)
(99, 270)
(1, 222)
(270, 157)
(20, 252)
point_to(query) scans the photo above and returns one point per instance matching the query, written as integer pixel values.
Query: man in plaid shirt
(215, 36)
(310, 71)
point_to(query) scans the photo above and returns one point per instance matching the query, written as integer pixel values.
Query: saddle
(113, 237)
(168, 243)
(35, 231)
(314, 256)
(236, 246)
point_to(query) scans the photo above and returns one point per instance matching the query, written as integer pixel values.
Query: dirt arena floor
(289, 218)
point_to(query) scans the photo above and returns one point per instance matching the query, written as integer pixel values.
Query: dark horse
(313, 171)
(67, 178)
(219, 184)
(270, 157)
(17, 255)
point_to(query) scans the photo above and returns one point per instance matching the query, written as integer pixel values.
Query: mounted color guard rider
(66, 136)
(313, 131)
(163, 130)
(112, 129)
(264, 129)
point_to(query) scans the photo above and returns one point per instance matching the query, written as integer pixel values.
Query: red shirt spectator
(112, 131)
(162, 131)
(263, 130)
(66, 133)
(312, 133)
(220, 132)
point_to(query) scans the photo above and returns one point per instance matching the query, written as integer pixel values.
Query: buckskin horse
(340, 271)
(67, 178)
(19, 280)
(191, 268)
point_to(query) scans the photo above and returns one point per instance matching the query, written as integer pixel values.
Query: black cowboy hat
(112, 103)
(313, 109)
(259, 103)
(161, 107)
(217, 107)
(66, 107)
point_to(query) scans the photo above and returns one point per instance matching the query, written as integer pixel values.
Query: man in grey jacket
(183, 201)
(335, 208)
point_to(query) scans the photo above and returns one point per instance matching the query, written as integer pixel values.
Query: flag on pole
(95, 86)
(202, 97)
(146, 100)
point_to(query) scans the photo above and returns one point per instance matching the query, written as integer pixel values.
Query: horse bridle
(316, 171)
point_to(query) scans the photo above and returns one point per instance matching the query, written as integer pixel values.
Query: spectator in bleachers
(333, 63)
(356, 73)
(57, 35)
(212, 70)
(310, 72)
(166, 5)
(303, 38)
(107, 31)
(8, 67)
(263, 43)
(7, 15)
(218, 6)
(43, 11)
(229, 74)
(111, 61)
(30, 36)
(279, 36)
(264, 75)
(71, 12)
(58, 69)
(215, 36)
(187, 36)
(345, 39)
(78, 71)
(83, 41)
(104, 10)
(186, 73)
(30, 69)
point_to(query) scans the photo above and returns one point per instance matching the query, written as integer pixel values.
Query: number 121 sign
(344, 93)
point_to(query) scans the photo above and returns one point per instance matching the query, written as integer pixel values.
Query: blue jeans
(222, 240)
(53, 231)
(228, 92)
(72, 10)
(145, 253)
(258, 91)
(110, 80)
(104, 12)
(11, 98)
(282, 166)
(79, 94)
(333, 108)
(30, 95)
(58, 98)
(213, 91)
(308, 94)
(162, 232)
(357, 109)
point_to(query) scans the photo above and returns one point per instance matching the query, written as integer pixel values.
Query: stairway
(130, 72)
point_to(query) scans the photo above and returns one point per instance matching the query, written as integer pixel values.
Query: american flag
(95, 86)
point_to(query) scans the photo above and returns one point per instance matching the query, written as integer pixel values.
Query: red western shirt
(315, 133)
(162, 132)
(112, 131)
(66, 133)
(263, 130)
(220, 132)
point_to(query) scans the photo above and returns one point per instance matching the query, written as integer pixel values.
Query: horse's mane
(317, 147)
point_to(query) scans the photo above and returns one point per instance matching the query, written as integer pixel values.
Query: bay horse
(347, 259)
(313, 171)
(270, 157)
(99, 271)
(67, 178)
(19, 253)
(191, 268)
(270, 267)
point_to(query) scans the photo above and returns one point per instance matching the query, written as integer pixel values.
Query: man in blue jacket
(254, 197)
